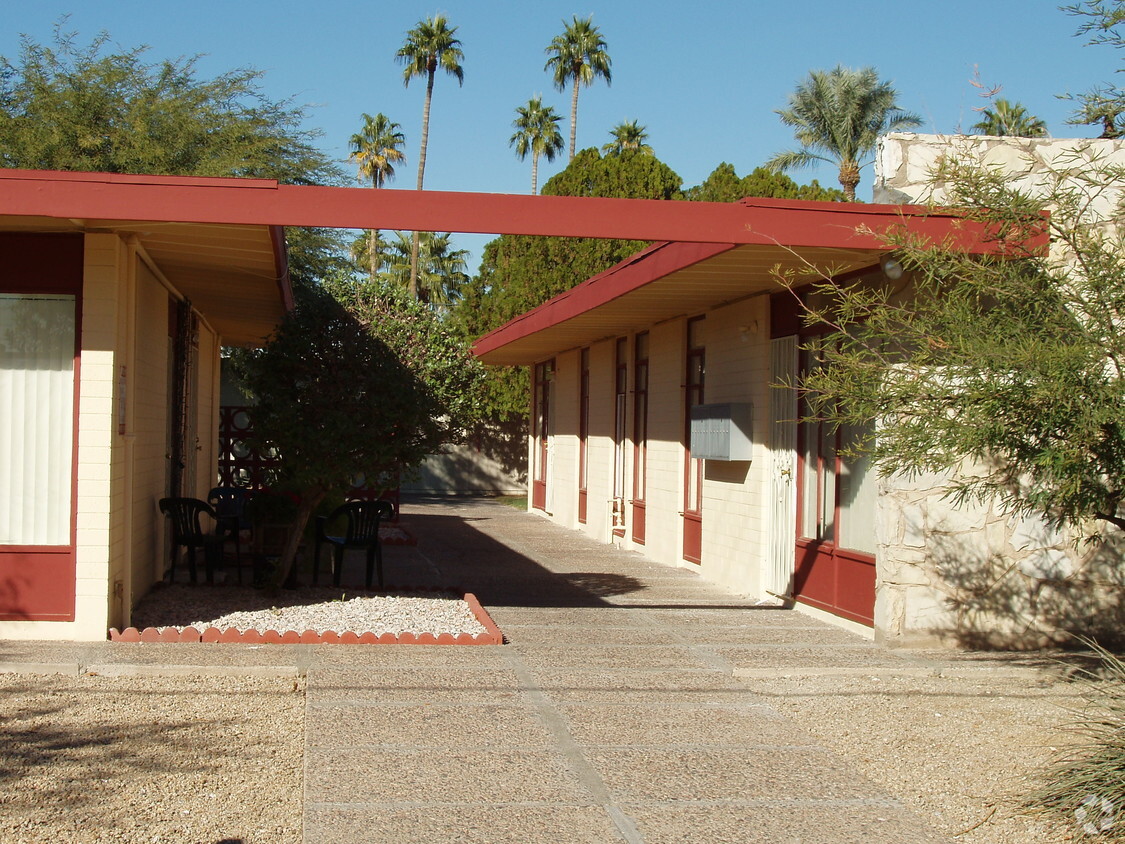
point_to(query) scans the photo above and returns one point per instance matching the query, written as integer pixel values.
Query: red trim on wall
(836, 580)
(38, 583)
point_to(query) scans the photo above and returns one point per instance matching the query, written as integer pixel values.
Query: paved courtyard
(633, 702)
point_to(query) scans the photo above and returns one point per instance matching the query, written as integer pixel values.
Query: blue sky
(705, 77)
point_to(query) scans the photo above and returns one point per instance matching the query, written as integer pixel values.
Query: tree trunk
(421, 177)
(373, 252)
(534, 173)
(573, 117)
(307, 506)
(849, 178)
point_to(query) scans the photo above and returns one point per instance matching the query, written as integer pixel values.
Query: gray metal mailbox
(722, 431)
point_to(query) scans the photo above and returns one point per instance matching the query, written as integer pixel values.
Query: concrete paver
(613, 714)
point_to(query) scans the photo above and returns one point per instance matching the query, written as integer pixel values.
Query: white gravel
(319, 609)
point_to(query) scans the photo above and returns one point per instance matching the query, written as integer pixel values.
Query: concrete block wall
(975, 575)
(99, 538)
(148, 432)
(734, 494)
(665, 488)
(734, 503)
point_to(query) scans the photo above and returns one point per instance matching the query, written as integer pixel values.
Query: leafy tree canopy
(1010, 366)
(72, 107)
(1102, 21)
(724, 185)
(424, 342)
(67, 106)
(337, 400)
(519, 273)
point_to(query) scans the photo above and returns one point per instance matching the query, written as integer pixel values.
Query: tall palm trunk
(373, 252)
(574, 117)
(421, 175)
(534, 173)
(849, 178)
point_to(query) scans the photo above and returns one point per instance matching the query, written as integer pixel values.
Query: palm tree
(838, 116)
(1102, 108)
(578, 56)
(428, 46)
(442, 269)
(375, 149)
(628, 135)
(1011, 119)
(537, 132)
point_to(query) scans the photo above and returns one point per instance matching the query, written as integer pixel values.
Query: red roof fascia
(634, 272)
(263, 202)
(78, 195)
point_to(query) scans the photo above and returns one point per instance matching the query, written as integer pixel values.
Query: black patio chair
(188, 532)
(229, 504)
(361, 530)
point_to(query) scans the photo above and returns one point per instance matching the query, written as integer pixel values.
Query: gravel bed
(151, 760)
(319, 609)
(961, 752)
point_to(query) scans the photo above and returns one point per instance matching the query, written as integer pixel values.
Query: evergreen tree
(518, 273)
(723, 185)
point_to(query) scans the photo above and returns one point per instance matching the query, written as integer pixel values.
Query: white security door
(778, 575)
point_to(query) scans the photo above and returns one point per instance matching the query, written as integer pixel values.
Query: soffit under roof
(731, 275)
(229, 272)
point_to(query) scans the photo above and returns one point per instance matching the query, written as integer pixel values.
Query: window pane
(857, 495)
(810, 481)
(36, 427)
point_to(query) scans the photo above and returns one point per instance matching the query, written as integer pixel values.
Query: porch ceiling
(665, 281)
(229, 272)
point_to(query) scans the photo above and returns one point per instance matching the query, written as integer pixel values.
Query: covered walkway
(633, 702)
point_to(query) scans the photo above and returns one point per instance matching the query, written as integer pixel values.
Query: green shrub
(1084, 788)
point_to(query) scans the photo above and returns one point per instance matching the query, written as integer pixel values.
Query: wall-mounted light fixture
(892, 267)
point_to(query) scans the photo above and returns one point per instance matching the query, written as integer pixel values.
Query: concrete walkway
(622, 709)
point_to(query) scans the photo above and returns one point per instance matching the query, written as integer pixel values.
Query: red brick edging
(396, 534)
(491, 636)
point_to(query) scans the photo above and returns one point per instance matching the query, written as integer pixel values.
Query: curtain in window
(36, 424)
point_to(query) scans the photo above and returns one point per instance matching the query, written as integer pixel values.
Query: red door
(693, 467)
(640, 436)
(835, 554)
(544, 373)
(583, 433)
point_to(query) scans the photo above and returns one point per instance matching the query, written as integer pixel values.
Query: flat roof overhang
(784, 238)
(665, 281)
(260, 202)
(172, 213)
(235, 275)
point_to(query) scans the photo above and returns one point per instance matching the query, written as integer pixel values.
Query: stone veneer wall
(973, 575)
